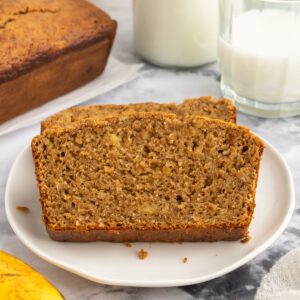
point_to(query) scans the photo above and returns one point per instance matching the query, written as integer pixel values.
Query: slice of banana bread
(147, 177)
(204, 106)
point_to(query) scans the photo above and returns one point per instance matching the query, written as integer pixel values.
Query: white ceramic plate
(116, 264)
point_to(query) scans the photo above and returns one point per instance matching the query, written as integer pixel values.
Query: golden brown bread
(204, 106)
(147, 177)
(49, 48)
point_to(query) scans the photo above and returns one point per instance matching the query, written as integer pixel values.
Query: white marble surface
(162, 85)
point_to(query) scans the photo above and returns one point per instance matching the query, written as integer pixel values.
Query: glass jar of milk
(179, 33)
(259, 52)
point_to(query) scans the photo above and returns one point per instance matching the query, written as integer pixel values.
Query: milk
(180, 33)
(262, 61)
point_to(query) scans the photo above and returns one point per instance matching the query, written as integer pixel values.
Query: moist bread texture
(204, 106)
(49, 48)
(147, 177)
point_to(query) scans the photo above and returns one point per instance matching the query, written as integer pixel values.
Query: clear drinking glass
(259, 55)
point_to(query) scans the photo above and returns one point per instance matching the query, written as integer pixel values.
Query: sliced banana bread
(204, 106)
(147, 177)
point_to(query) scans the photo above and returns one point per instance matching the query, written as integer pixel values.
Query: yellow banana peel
(18, 281)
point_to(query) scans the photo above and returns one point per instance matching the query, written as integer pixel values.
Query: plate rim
(166, 282)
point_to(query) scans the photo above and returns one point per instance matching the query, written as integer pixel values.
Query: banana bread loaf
(147, 177)
(49, 48)
(204, 106)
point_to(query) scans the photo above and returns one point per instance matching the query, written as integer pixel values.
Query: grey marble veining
(157, 84)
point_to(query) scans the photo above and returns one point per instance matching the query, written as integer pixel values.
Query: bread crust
(44, 84)
(63, 118)
(171, 235)
(47, 64)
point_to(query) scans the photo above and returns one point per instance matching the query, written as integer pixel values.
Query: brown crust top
(35, 32)
(162, 116)
(204, 105)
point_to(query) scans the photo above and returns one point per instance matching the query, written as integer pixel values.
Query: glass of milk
(259, 54)
(176, 33)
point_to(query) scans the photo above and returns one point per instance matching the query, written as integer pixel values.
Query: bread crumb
(23, 209)
(142, 254)
(128, 245)
(245, 239)
(184, 260)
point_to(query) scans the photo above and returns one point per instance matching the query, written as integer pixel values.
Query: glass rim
(282, 1)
